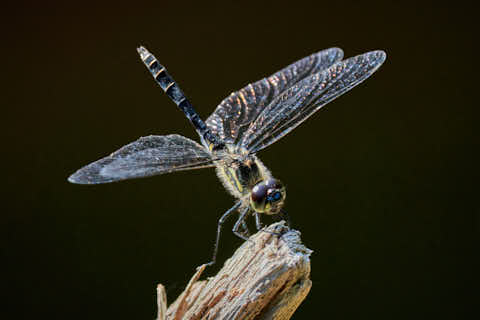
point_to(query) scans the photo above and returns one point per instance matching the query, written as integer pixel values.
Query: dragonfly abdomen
(173, 91)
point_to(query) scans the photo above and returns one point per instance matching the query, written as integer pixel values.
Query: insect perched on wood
(246, 122)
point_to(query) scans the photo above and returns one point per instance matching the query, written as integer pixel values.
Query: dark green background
(380, 182)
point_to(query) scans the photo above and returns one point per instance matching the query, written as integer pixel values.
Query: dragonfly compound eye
(276, 190)
(273, 184)
(258, 197)
(274, 196)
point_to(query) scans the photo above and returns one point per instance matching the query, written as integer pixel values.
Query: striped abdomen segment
(174, 92)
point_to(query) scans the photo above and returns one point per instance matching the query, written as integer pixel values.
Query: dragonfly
(243, 124)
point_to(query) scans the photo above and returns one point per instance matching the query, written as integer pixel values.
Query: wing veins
(299, 102)
(230, 127)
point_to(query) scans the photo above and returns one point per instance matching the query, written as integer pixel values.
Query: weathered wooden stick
(266, 278)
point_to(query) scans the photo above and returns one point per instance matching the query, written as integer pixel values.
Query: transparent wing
(300, 101)
(145, 157)
(233, 115)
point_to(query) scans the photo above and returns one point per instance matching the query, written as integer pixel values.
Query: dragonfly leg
(219, 229)
(284, 215)
(245, 230)
(260, 226)
(241, 221)
(257, 221)
(173, 91)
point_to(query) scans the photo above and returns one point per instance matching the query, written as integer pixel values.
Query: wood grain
(266, 278)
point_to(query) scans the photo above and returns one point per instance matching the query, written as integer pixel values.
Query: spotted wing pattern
(235, 113)
(300, 101)
(148, 156)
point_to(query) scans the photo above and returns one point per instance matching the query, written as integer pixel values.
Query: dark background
(380, 182)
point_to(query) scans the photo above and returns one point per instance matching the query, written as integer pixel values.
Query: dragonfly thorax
(242, 173)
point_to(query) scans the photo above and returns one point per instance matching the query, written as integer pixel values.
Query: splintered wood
(267, 278)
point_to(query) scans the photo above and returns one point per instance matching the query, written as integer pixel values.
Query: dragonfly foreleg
(284, 215)
(245, 231)
(241, 221)
(258, 223)
(219, 229)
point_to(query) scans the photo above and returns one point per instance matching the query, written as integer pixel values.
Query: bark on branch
(266, 278)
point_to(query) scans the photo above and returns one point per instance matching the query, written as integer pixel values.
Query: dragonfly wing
(148, 156)
(307, 96)
(233, 115)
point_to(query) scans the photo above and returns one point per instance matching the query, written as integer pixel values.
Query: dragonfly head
(268, 196)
